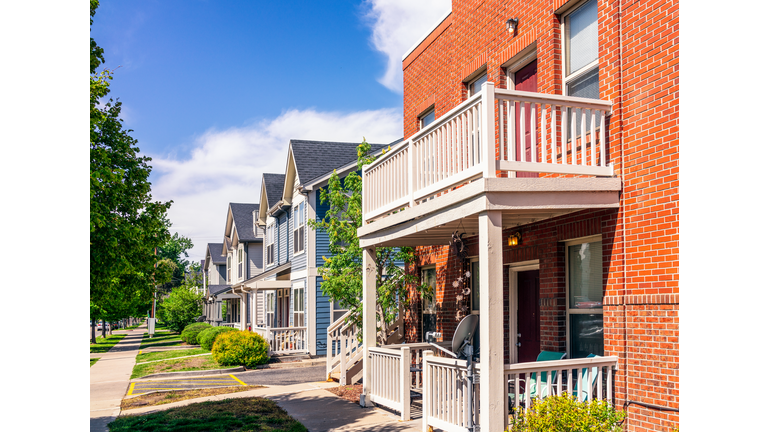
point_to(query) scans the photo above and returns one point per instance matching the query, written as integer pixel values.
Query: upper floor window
(426, 118)
(474, 86)
(270, 241)
(581, 51)
(298, 306)
(298, 228)
(240, 262)
(229, 268)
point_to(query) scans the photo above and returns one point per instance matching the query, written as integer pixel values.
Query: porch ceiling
(521, 201)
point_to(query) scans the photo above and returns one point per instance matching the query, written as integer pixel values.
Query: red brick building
(588, 275)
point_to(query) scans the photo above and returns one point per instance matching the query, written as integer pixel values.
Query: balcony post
(487, 141)
(493, 396)
(369, 320)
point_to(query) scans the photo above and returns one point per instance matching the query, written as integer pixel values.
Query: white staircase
(345, 351)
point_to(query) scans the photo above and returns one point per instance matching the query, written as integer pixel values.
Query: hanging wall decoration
(461, 284)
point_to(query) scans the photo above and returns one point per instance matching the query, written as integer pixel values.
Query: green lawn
(176, 365)
(229, 415)
(103, 345)
(160, 355)
(170, 339)
(94, 360)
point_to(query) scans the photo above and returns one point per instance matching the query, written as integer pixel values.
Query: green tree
(175, 250)
(183, 304)
(125, 224)
(343, 272)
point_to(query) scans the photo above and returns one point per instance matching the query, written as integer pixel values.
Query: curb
(289, 365)
(192, 373)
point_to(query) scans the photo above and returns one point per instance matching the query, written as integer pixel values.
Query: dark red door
(528, 316)
(525, 80)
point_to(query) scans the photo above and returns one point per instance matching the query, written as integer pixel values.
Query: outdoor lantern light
(514, 239)
(512, 25)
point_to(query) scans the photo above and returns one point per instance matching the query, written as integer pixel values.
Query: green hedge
(208, 336)
(240, 348)
(565, 414)
(190, 332)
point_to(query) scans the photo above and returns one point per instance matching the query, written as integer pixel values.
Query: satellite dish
(464, 331)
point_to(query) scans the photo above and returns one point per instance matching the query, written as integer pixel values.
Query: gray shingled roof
(243, 218)
(274, 186)
(316, 158)
(218, 289)
(215, 250)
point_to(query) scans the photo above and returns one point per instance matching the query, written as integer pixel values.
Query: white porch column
(369, 319)
(492, 388)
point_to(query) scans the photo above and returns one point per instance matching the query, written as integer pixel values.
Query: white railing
(578, 377)
(391, 379)
(262, 331)
(284, 340)
(233, 325)
(343, 348)
(446, 405)
(446, 394)
(553, 134)
(417, 350)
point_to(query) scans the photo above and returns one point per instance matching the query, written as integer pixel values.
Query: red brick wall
(639, 58)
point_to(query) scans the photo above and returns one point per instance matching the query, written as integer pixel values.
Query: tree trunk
(93, 331)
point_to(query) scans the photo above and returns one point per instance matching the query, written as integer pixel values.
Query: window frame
(474, 78)
(295, 289)
(240, 262)
(269, 256)
(423, 115)
(229, 268)
(299, 229)
(578, 311)
(571, 76)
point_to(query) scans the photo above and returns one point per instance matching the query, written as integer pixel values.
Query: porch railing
(284, 340)
(343, 347)
(391, 382)
(235, 325)
(446, 404)
(533, 132)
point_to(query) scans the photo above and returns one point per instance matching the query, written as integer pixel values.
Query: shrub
(207, 336)
(190, 332)
(565, 414)
(240, 348)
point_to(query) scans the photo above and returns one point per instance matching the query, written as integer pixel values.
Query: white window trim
(425, 113)
(303, 311)
(240, 266)
(568, 309)
(301, 227)
(270, 235)
(585, 69)
(483, 72)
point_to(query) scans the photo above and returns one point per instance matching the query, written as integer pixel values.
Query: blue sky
(214, 90)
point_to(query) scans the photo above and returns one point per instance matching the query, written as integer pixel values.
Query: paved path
(110, 378)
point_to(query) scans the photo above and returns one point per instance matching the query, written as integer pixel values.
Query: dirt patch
(167, 397)
(176, 365)
(351, 392)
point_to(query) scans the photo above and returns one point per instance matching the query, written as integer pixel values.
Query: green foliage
(175, 251)
(207, 337)
(343, 272)
(190, 332)
(565, 414)
(125, 224)
(181, 307)
(240, 348)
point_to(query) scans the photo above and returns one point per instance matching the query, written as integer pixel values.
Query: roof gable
(242, 215)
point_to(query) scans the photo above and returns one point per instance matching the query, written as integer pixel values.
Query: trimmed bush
(207, 336)
(190, 332)
(240, 348)
(565, 414)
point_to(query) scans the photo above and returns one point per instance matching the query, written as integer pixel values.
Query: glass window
(585, 298)
(475, 278)
(428, 306)
(298, 307)
(581, 53)
(240, 263)
(270, 255)
(427, 118)
(474, 86)
(298, 228)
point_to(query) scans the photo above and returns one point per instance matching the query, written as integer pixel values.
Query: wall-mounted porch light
(512, 25)
(514, 239)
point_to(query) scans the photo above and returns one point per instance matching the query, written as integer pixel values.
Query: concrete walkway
(313, 406)
(110, 377)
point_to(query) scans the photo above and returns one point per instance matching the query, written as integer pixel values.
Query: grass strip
(176, 365)
(167, 397)
(103, 345)
(94, 360)
(160, 355)
(229, 415)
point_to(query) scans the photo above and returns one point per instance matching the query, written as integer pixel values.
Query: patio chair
(543, 356)
(586, 385)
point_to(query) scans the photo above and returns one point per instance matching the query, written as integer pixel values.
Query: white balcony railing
(235, 325)
(533, 132)
(284, 340)
(446, 402)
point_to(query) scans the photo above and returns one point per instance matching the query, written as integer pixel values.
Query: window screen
(581, 36)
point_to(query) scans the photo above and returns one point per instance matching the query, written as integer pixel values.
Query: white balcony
(450, 168)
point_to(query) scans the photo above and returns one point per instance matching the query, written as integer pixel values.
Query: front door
(525, 80)
(528, 316)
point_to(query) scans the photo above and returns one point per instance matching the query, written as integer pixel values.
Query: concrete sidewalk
(313, 406)
(110, 377)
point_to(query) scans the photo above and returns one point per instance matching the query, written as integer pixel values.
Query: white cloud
(226, 165)
(397, 26)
